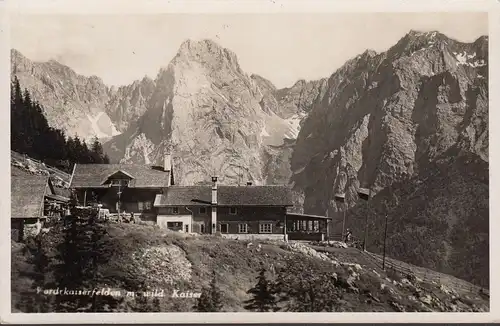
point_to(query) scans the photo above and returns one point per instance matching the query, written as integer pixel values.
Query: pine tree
(97, 152)
(210, 299)
(32, 135)
(263, 298)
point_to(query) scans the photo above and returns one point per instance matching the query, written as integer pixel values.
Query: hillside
(438, 219)
(141, 257)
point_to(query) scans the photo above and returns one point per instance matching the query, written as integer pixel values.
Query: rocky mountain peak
(206, 52)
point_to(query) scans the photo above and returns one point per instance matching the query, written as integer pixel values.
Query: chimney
(249, 183)
(167, 163)
(214, 204)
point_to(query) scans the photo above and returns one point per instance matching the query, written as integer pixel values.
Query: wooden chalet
(239, 212)
(121, 188)
(33, 200)
(242, 212)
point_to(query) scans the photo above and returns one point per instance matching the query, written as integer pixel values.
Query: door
(186, 228)
(224, 228)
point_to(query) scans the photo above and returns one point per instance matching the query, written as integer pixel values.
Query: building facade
(240, 212)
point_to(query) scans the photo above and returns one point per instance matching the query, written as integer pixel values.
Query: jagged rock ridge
(386, 118)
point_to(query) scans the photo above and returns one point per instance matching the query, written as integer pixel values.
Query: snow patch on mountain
(465, 59)
(102, 127)
(294, 122)
(264, 132)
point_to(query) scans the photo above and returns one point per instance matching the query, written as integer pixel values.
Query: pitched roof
(58, 198)
(182, 195)
(27, 195)
(64, 192)
(226, 196)
(95, 175)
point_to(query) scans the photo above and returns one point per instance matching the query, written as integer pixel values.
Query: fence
(426, 274)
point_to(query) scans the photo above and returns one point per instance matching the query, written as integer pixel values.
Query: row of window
(223, 228)
(203, 210)
(304, 226)
(147, 205)
(243, 228)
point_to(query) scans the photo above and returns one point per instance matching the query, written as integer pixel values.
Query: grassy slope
(157, 257)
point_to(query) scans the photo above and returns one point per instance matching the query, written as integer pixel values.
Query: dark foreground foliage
(32, 135)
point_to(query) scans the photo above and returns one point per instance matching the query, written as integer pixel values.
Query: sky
(280, 47)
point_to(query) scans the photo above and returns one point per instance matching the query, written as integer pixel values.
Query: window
(224, 228)
(174, 226)
(144, 205)
(232, 210)
(175, 210)
(243, 228)
(265, 228)
(119, 182)
(203, 210)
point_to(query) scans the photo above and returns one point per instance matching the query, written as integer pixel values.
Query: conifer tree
(263, 299)
(32, 135)
(211, 298)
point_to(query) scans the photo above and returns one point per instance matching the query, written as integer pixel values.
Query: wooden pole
(343, 224)
(118, 206)
(385, 237)
(366, 228)
(284, 228)
(85, 198)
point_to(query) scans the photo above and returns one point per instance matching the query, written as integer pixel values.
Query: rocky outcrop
(213, 118)
(128, 103)
(385, 116)
(300, 98)
(389, 119)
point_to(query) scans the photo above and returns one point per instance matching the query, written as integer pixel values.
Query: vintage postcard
(252, 160)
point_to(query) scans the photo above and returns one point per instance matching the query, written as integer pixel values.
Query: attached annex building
(33, 200)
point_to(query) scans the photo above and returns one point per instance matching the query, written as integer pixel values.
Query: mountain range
(381, 119)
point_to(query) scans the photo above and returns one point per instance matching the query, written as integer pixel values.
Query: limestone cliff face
(72, 102)
(129, 102)
(210, 115)
(385, 116)
(300, 98)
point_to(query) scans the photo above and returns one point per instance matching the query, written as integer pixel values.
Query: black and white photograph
(249, 162)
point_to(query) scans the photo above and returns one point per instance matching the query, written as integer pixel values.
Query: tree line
(32, 135)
